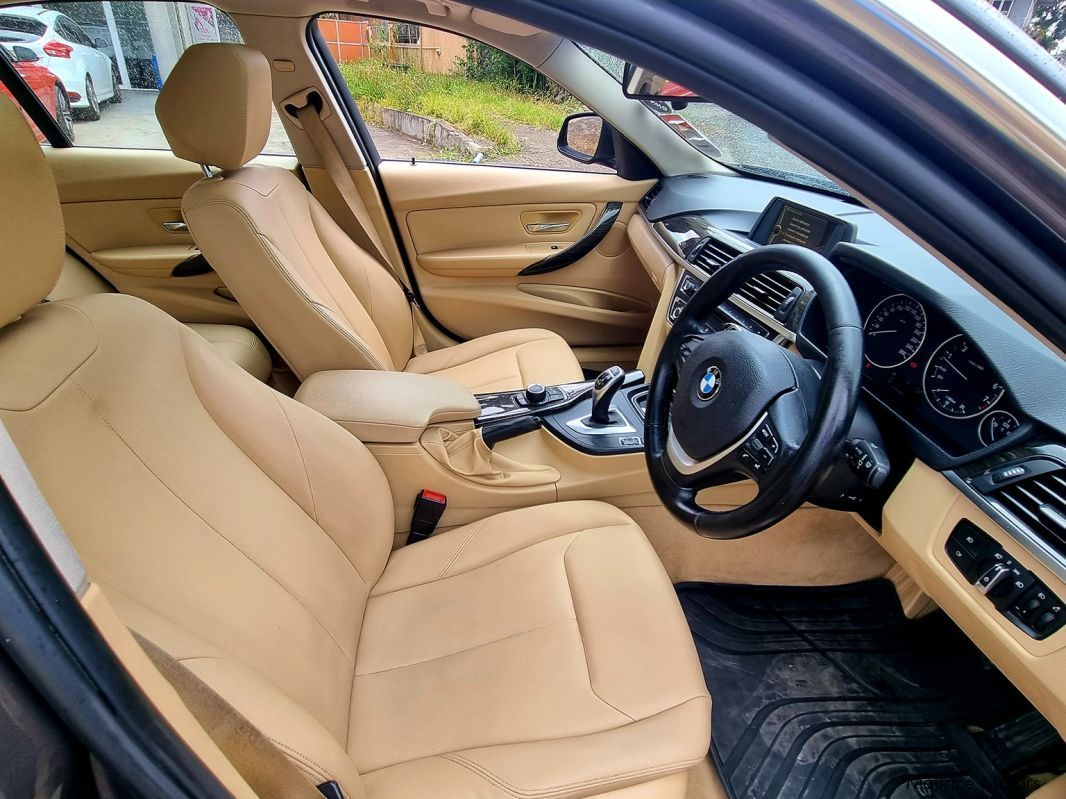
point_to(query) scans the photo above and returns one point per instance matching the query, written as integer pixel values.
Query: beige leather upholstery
(224, 123)
(240, 345)
(320, 299)
(387, 407)
(32, 255)
(539, 653)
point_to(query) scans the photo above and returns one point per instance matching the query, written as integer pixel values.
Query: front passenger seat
(323, 301)
(535, 654)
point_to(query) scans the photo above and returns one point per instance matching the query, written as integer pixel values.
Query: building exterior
(1017, 11)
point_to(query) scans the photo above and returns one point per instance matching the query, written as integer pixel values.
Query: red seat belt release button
(429, 507)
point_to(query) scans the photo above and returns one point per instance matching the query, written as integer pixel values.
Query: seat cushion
(503, 361)
(539, 652)
(240, 345)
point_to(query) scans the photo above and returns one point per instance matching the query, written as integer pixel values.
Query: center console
(604, 416)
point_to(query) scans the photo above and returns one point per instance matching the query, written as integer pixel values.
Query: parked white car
(88, 74)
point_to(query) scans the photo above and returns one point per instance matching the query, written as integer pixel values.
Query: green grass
(477, 108)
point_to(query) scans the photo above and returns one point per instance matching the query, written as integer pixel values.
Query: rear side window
(20, 29)
(133, 46)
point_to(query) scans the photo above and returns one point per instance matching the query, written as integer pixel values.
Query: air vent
(651, 195)
(712, 254)
(767, 292)
(1037, 500)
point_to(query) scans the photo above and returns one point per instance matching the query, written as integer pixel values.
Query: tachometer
(894, 331)
(996, 426)
(959, 382)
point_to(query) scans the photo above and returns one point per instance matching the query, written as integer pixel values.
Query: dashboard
(962, 379)
(968, 405)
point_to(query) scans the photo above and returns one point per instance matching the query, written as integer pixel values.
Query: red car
(43, 83)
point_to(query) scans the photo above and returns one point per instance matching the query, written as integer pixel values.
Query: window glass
(433, 95)
(724, 136)
(20, 29)
(111, 57)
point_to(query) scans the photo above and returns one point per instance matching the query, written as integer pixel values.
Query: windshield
(725, 137)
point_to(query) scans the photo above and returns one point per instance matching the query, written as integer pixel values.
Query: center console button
(536, 393)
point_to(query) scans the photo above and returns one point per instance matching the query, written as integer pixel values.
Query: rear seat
(238, 344)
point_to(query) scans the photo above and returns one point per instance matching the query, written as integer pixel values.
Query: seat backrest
(235, 528)
(324, 302)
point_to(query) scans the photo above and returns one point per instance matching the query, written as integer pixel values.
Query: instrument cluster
(925, 369)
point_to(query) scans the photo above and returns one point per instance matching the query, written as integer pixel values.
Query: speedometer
(894, 331)
(959, 382)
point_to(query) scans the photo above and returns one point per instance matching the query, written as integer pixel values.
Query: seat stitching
(297, 754)
(192, 510)
(581, 637)
(303, 460)
(473, 532)
(501, 558)
(464, 650)
(235, 443)
(347, 334)
(548, 790)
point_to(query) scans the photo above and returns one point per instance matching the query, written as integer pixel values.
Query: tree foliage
(485, 63)
(1048, 24)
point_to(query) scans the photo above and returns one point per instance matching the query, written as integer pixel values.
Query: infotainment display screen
(784, 222)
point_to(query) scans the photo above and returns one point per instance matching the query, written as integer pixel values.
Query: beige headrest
(31, 224)
(214, 107)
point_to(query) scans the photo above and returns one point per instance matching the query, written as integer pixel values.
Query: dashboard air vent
(645, 201)
(767, 292)
(713, 254)
(1038, 501)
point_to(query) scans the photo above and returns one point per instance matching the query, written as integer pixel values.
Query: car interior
(404, 477)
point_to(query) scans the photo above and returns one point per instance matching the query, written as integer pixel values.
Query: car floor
(833, 692)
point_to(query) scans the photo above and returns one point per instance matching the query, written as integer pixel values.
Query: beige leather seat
(539, 653)
(239, 344)
(320, 299)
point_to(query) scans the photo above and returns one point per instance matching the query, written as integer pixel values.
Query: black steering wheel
(733, 403)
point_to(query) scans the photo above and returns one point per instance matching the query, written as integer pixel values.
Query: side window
(433, 95)
(76, 34)
(131, 47)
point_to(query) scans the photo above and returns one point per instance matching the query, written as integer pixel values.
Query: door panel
(471, 230)
(121, 209)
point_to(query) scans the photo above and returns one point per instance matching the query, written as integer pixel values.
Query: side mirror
(24, 55)
(586, 138)
(101, 44)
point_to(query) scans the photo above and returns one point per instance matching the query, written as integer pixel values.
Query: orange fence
(347, 40)
(356, 39)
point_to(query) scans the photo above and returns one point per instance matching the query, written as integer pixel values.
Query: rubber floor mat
(832, 692)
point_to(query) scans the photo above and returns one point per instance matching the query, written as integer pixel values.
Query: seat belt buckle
(429, 507)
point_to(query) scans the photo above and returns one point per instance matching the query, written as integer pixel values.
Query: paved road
(132, 123)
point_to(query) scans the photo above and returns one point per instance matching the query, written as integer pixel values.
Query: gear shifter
(603, 391)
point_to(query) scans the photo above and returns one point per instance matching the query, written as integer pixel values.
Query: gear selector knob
(603, 391)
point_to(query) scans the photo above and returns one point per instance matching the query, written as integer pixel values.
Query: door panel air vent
(1036, 497)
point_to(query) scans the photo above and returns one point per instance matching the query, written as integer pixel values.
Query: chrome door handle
(548, 227)
(176, 227)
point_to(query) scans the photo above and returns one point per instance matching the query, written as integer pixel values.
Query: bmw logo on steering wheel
(710, 383)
